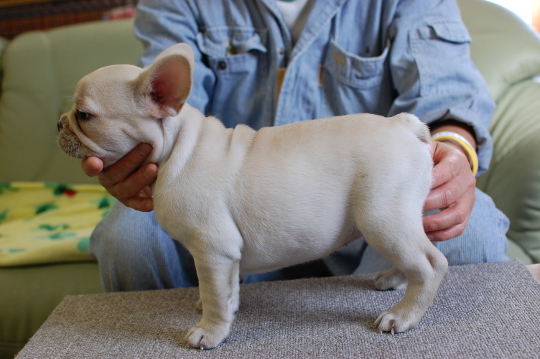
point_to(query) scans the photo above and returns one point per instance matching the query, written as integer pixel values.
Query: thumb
(92, 166)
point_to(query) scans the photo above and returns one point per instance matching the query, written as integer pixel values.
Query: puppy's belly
(266, 254)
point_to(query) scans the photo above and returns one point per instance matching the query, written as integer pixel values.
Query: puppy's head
(117, 107)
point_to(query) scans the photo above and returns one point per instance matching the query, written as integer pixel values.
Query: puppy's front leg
(219, 289)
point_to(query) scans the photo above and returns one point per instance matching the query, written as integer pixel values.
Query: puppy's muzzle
(68, 141)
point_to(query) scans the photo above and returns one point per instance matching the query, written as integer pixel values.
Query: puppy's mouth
(70, 144)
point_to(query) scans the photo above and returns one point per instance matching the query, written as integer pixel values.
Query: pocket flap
(451, 31)
(221, 42)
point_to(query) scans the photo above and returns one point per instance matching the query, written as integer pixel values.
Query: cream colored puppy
(244, 201)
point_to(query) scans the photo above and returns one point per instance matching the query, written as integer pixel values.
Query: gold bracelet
(461, 142)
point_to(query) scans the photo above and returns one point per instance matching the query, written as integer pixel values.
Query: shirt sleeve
(161, 24)
(433, 73)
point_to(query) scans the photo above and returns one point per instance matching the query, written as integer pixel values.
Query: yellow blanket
(48, 222)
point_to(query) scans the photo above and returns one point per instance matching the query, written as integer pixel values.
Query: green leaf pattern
(48, 222)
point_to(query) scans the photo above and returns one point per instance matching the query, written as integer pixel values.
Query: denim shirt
(379, 56)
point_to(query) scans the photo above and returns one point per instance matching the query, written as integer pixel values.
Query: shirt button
(281, 51)
(222, 65)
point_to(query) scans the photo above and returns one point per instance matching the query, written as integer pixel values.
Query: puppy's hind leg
(401, 239)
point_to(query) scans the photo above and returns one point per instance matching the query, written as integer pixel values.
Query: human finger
(125, 166)
(92, 166)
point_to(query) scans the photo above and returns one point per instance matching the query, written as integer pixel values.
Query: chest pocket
(237, 57)
(232, 49)
(362, 73)
(352, 84)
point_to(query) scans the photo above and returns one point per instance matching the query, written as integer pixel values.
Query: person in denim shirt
(255, 66)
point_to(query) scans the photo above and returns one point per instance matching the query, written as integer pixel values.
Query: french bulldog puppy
(245, 201)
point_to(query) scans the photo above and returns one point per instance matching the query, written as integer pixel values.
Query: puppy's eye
(83, 115)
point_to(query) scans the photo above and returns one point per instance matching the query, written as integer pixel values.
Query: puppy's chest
(185, 205)
(174, 206)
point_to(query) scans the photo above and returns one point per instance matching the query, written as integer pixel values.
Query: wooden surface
(9, 3)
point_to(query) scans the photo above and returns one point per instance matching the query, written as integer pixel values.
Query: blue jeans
(135, 253)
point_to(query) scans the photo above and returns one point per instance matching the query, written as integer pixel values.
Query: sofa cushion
(513, 179)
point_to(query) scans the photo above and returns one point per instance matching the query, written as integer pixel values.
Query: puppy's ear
(162, 89)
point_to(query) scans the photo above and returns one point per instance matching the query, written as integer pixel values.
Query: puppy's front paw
(206, 336)
(394, 322)
(391, 279)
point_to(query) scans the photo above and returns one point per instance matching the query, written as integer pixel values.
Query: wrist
(456, 127)
(461, 143)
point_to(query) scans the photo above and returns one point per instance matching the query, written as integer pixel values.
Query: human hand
(124, 179)
(452, 191)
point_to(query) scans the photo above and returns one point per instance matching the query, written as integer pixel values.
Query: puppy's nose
(60, 124)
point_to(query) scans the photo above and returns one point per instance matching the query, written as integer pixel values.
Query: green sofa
(39, 72)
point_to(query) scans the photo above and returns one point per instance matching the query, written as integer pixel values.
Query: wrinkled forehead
(108, 84)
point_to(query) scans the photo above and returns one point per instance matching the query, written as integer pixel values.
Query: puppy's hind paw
(391, 279)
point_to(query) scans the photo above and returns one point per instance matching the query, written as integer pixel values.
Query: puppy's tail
(419, 128)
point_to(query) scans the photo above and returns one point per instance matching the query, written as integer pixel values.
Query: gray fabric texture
(481, 311)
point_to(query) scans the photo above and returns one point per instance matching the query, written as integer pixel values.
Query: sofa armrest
(504, 48)
(3, 44)
(41, 69)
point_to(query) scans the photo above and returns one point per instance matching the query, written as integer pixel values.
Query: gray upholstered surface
(481, 311)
